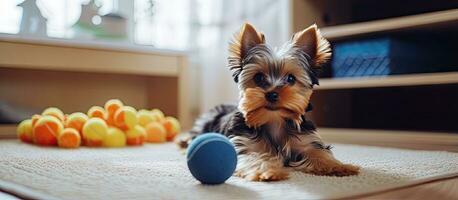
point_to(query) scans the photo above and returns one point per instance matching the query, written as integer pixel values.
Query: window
(168, 27)
(165, 25)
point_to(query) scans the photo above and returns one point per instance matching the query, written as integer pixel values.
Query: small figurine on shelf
(32, 22)
(85, 26)
(91, 25)
(114, 26)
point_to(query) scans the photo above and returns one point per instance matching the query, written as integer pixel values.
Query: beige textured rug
(160, 172)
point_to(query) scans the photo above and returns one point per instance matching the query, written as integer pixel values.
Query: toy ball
(172, 126)
(97, 112)
(112, 105)
(25, 131)
(69, 138)
(76, 121)
(211, 158)
(155, 132)
(94, 131)
(126, 118)
(56, 112)
(114, 138)
(46, 130)
(136, 135)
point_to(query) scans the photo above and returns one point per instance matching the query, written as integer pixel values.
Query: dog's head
(276, 84)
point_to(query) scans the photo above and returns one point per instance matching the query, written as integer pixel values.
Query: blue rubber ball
(211, 158)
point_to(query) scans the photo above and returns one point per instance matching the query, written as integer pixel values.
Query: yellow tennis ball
(76, 121)
(69, 138)
(53, 111)
(158, 115)
(155, 132)
(136, 135)
(172, 126)
(25, 131)
(114, 138)
(46, 130)
(94, 131)
(97, 112)
(145, 117)
(126, 118)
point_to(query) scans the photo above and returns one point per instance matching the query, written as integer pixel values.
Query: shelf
(389, 81)
(393, 24)
(90, 44)
(7, 131)
(98, 57)
(143, 76)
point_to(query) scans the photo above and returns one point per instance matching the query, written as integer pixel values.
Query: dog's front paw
(273, 175)
(268, 175)
(336, 170)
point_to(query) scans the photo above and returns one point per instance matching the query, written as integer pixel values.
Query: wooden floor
(437, 190)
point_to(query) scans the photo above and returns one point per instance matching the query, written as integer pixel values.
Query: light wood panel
(7, 131)
(44, 57)
(389, 81)
(185, 98)
(71, 91)
(427, 20)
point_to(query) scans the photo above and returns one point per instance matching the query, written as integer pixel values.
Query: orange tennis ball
(76, 121)
(25, 131)
(94, 131)
(35, 118)
(126, 118)
(97, 112)
(172, 126)
(155, 132)
(69, 138)
(158, 115)
(136, 135)
(46, 131)
(112, 105)
(114, 138)
(56, 112)
(145, 117)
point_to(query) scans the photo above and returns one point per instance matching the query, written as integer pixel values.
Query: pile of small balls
(115, 125)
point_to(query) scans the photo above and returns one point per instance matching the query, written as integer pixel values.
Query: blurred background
(394, 63)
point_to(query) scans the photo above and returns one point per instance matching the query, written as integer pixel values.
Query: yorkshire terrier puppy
(269, 128)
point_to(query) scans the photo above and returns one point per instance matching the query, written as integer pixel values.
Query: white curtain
(213, 23)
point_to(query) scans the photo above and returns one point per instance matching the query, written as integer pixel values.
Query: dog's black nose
(272, 97)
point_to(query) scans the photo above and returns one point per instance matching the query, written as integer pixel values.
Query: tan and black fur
(268, 127)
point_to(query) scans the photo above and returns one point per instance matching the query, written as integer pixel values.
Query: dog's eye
(259, 79)
(291, 79)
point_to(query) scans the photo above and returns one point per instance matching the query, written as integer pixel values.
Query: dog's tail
(207, 122)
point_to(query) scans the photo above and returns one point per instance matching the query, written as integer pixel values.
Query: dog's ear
(313, 44)
(242, 42)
